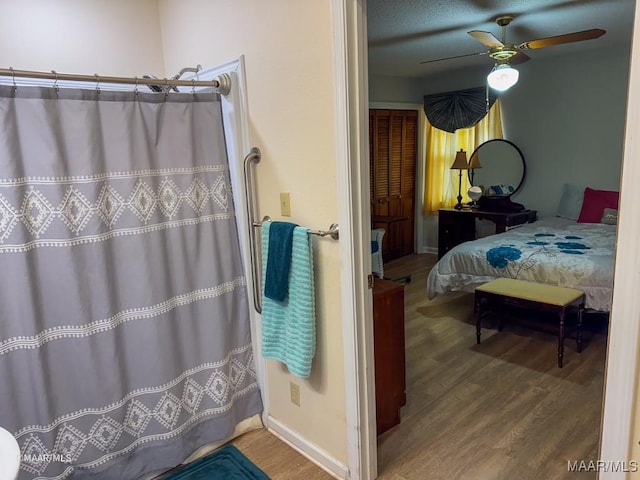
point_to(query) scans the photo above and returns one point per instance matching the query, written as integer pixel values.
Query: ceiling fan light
(502, 77)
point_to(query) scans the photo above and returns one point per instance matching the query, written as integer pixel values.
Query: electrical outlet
(285, 204)
(294, 389)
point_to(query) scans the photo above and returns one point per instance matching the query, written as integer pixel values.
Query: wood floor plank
(276, 458)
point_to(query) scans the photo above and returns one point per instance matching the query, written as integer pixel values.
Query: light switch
(285, 204)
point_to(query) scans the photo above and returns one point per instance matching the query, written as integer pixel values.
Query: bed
(556, 251)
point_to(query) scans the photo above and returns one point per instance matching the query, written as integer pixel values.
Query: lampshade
(475, 161)
(502, 77)
(460, 163)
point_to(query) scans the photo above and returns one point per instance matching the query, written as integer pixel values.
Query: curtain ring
(13, 76)
(55, 82)
(97, 82)
(135, 89)
(193, 87)
(166, 89)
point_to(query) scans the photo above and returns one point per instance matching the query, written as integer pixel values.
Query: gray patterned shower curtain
(124, 324)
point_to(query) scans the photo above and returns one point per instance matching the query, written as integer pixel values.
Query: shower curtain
(124, 324)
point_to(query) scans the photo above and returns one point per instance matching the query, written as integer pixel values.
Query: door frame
(349, 16)
(348, 19)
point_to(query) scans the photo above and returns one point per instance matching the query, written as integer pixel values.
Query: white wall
(287, 46)
(108, 37)
(395, 89)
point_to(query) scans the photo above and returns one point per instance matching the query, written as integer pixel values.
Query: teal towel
(289, 327)
(276, 284)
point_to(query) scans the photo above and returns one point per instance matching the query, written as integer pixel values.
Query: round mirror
(500, 164)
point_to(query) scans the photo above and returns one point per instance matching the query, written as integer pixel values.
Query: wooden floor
(276, 458)
(498, 410)
(501, 410)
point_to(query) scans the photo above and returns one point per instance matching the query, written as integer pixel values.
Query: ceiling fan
(506, 54)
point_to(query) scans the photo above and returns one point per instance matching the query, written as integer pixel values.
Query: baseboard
(425, 249)
(308, 449)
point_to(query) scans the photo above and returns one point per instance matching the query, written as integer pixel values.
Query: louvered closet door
(393, 149)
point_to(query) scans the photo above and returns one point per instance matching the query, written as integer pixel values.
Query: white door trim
(616, 440)
(352, 161)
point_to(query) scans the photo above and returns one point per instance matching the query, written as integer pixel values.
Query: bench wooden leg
(501, 320)
(561, 338)
(579, 328)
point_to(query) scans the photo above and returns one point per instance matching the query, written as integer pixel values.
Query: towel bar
(253, 157)
(333, 232)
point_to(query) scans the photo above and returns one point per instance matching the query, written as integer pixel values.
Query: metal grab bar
(252, 158)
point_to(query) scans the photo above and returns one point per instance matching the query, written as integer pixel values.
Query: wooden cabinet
(393, 140)
(458, 226)
(388, 332)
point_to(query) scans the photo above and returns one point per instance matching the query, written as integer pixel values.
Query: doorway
(622, 364)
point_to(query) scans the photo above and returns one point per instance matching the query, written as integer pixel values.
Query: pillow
(501, 190)
(595, 201)
(570, 201)
(609, 216)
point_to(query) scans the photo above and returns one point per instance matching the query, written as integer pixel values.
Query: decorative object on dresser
(502, 174)
(388, 334)
(457, 226)
(474, 194)
(460, 163)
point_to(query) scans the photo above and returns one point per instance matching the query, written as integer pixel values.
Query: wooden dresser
(388, 332)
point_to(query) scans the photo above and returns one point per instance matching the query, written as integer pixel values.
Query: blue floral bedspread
(554, 251)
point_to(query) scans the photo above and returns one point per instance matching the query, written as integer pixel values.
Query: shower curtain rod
(222, 84)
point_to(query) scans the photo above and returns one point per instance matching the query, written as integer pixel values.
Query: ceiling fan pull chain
(486, 98)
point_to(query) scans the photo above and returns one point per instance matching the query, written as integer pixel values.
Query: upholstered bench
(509, 292)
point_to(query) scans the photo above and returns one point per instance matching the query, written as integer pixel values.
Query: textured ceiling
(403, 33)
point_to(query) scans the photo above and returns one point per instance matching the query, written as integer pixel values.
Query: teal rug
(228, 463)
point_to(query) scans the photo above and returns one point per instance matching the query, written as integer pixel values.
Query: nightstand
(458, 226)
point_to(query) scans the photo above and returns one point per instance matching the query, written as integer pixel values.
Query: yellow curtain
(441, 183)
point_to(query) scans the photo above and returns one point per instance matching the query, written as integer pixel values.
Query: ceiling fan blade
(560, 39)
(518, 58)
(451, 58)
(486, 38)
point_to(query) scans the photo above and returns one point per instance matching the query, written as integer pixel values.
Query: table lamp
(460, 163)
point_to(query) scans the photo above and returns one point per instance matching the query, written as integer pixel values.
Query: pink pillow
(594, 203)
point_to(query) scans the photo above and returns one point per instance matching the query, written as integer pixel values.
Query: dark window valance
(460, 109)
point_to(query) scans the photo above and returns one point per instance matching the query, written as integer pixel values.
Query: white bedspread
(554, 251)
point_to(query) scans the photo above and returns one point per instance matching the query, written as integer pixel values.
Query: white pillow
(570, 201)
